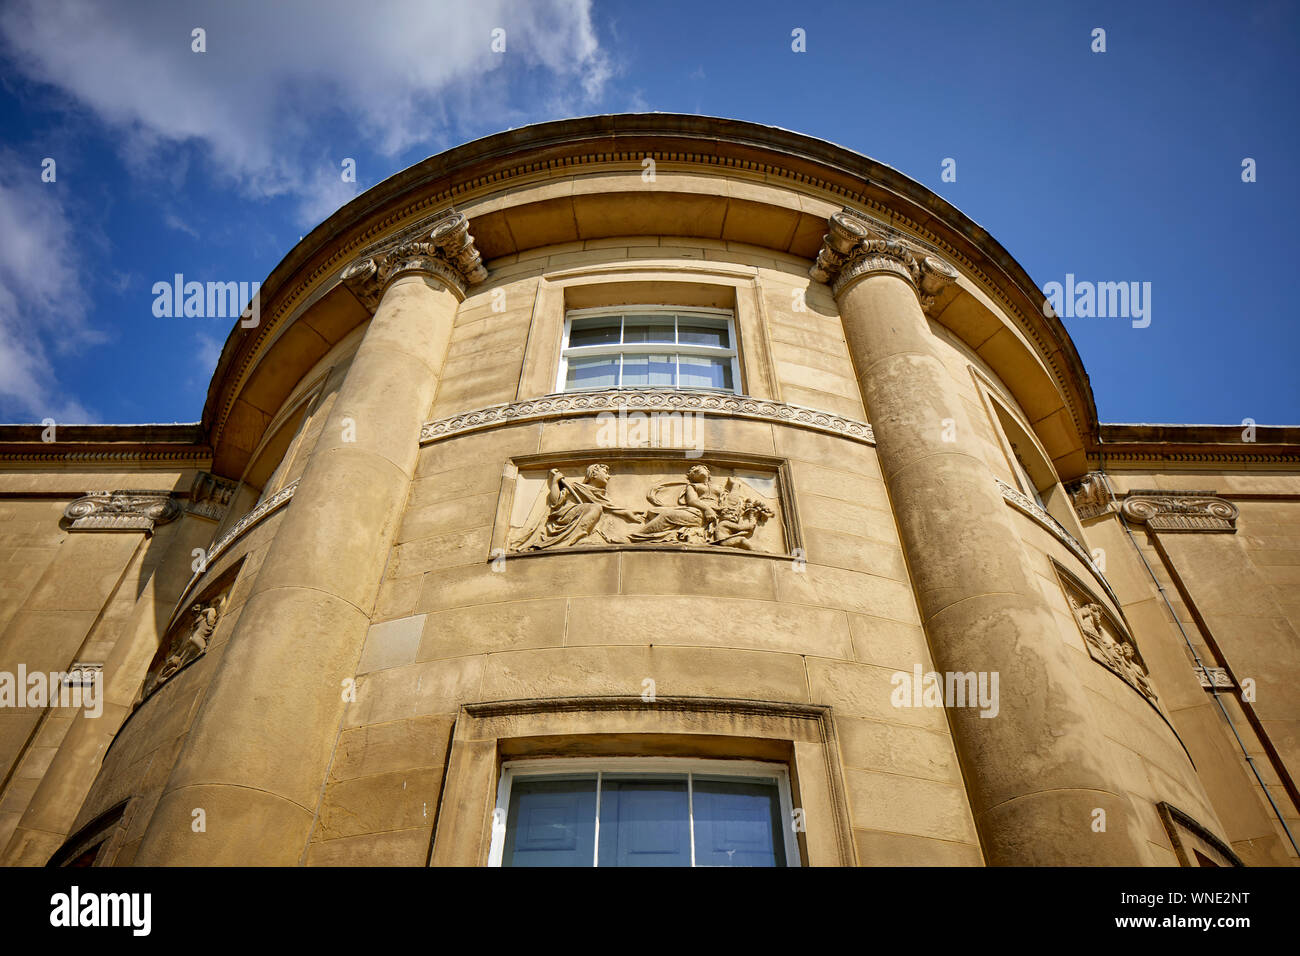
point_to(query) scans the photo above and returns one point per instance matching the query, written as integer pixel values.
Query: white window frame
(678, 765)
(649, 348)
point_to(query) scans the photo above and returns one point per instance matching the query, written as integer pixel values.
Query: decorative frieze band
(250, 519)
(121, 511)
(440, 245)
(577, 404)
(1024, 503)
(1181, 511)
(856, 246)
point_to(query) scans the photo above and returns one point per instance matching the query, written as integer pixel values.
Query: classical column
(256, 756)
(1037, 771)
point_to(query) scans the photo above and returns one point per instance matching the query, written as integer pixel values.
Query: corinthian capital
(856, 247)
(440, 246)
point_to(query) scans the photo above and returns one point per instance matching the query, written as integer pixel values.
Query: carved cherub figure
(738, 518)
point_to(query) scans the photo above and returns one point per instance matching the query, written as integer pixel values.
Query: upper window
(649, 347)
(643, 812)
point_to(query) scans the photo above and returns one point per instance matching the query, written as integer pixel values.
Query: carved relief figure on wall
(190, 644)
(703, 513)
(1119, 656)
(694, 511)
(570, 511)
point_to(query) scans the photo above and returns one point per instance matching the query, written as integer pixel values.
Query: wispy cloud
(401, 73)
(173, 221)
(42, 303)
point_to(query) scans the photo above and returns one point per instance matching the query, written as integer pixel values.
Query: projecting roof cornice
(179, 444)
(1191, 444)
(465, 176)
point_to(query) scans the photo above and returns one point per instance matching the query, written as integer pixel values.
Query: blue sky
(1117, 166)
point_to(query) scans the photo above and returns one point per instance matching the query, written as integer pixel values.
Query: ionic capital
(1181, 511)
(121, 511)
(855, 247)
(441, 247)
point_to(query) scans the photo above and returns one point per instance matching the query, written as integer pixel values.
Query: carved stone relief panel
(1108, 643)
(188, 640)
(619, 501)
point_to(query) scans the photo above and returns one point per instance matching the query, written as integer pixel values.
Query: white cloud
(274, 74)
(173, 221)
(41, 299)
(207, 351)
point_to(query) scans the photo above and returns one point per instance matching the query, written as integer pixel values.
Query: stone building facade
(651, 489)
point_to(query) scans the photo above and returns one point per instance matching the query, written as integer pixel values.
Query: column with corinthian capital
(259, 748)
(1036, 772)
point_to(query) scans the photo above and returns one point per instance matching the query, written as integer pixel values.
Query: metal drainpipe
(1197, 657)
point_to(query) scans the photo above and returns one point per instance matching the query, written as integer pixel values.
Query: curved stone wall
(453, 579)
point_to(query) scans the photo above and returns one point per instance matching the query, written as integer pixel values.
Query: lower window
(643, 812)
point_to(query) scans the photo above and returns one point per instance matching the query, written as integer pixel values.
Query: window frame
(722, 767)
(621, 348)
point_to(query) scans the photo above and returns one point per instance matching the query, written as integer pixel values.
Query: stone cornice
(439, 246)
(733, 147)
(856, 246)
(103, 443)
(1181, 512)
(121, 511)
(1191, 444)
(577, 404)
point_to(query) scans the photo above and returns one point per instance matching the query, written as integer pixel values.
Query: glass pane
(737, 823)
(552, 822)
(644, 820)
(598, 371)
(697, 371)
(646, 370)
(648, 328)
(703, 332)
(601, 330)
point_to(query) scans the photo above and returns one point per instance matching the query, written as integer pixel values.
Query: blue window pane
(737, 823)
(597, 331)
(648, 328)
(644, 820)
(703, 332)
(551, 822)
(599, 371)
(700, 372)
(649, 370)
